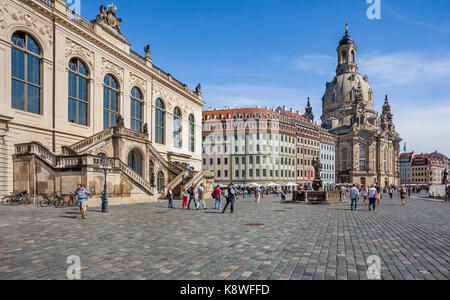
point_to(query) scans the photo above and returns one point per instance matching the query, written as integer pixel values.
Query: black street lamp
(105, 163)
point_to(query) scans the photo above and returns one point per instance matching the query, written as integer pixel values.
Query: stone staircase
(64, 162)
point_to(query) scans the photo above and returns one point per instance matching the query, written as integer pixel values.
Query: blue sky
(279, 52)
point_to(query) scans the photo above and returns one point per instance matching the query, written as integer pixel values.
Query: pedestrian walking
(365, 193)
(391, 192)
(230, 200)
(354, 196)
(201, 199)
(258, 194)
(372, 197)
(379, 189)
(217, 196)
(170, 196)
(191, 193)
(403, 195)
(82, 199)
(185, 199)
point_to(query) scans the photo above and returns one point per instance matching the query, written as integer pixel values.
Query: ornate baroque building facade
(73, 91)
(367, 146)
(262, 145)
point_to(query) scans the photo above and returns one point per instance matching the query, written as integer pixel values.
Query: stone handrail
(194, 180)
(166, 164)
(92, 139)
(39, 150)
(117, 163)
(66, 150)
(132, 133)
(177, 180)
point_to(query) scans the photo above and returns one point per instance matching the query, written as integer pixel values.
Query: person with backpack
(372, 197)
(191, 192)
(391, 192)
(230, 199)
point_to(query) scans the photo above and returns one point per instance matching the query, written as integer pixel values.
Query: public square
(292, 241)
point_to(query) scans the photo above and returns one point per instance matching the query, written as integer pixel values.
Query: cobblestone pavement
(148, 241)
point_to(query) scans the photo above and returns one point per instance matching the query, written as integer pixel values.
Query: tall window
(151, 169)
(362, 158)
(344, 159)
(160, 181)
(135, 161)
(160, 121)
(25, 73)
(136, 109)
(191, 133)
(78, 92)
(177, 128)
(110, 101)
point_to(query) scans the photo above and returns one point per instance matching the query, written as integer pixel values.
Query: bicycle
(17, 199)
(72, 201)
(55, 200)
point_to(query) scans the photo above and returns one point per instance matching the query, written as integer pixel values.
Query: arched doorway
(135, 161)
(363, 181)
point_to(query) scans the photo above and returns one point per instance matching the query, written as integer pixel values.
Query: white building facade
(74, 88)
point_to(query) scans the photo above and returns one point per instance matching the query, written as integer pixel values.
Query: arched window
(353, 57)
(333, 98)
(151, 169)
(353, 95)
(160, 121)
(362, 158)
(191, 133)
(110, 101)
(25, 73)
(362, 152)
(160, 181)
(135, 161)
(78, 92)
(136, 109)
(344, 58)
(177, 128)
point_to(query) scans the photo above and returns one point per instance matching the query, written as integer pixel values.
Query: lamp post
(105, 161)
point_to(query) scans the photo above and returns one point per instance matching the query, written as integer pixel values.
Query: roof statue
(109, 17)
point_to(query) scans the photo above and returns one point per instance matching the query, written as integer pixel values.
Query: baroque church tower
(367, 149)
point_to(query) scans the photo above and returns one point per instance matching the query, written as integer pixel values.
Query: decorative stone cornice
(139, 82)
(110, 67)
(75, 49)
(30, 21)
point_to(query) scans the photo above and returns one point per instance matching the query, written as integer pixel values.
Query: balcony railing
(80, 20)
(50, 3)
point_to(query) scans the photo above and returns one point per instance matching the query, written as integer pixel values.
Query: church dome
(346, 40)
(341, 93)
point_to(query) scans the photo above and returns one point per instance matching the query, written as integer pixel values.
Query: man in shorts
(82, 199)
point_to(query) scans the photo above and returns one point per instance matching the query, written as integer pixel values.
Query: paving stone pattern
(149, 241)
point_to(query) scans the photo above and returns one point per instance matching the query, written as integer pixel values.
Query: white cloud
(405, 68)
(425, 129)
(265, 95)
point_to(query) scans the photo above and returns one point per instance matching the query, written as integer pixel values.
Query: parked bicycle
(20, 198)
(56, 200)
